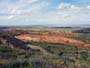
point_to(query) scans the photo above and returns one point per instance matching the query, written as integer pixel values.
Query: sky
(41, 12)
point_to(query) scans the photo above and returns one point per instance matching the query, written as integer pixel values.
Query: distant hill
(84, 30)
(2, 27)
(48, 25)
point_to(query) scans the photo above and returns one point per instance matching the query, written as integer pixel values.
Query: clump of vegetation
(83, 37)
(5, 49)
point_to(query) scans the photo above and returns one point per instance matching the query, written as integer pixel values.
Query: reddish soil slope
(53, 38)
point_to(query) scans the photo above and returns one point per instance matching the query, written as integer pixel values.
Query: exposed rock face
(87, 45)
(51, 39)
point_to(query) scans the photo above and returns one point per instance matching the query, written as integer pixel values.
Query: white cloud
(88, 7)
(64, 5)
(16, 10)
(10, 17)
(28, 1)
(73, 7)
(68, 6)
(36, 7)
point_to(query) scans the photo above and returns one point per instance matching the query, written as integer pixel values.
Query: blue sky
(38, 12)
